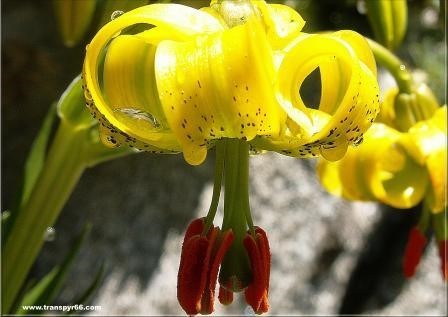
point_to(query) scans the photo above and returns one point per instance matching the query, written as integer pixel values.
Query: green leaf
(96, 282)
(32, 169)
(36, 158)
(48, 287)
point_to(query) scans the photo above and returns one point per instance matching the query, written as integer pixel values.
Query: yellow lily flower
(396, 168)
(168, 78)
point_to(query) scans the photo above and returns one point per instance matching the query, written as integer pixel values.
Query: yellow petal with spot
(217, 86)
(130, 111)
(350, 106)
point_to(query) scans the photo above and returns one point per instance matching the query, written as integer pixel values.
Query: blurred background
(329, 256)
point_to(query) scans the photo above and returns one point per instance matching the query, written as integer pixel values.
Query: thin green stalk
(425, 217)
(219, 169)
(244, 184)
(394, 65)
(230, 182)
(57, 180)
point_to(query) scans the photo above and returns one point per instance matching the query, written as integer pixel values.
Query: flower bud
(74, 18)
(388, 20)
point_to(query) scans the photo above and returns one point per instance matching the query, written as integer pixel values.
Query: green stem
(244, 184)
(57, 180)
(219, 168)
(425, 217)
(394, 65)
(235, 270)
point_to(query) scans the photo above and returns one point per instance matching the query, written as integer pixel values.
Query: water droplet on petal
(402, 67)
(139, 115)
(116, 14)
(49, 234)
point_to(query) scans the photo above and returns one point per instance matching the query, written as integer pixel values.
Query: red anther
(225, 296)
(222, 244)
(443, 259)
(260, 258)
(194, 228)
(414, 249)
(199, 264)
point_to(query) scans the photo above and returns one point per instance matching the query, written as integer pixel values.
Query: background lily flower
(168, 78)
(395, 168)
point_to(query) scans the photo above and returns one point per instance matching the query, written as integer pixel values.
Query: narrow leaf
(96, 282)
(31, 170)
(48, 287)
(36, 158)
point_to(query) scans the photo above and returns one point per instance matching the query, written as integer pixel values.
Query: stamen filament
(235, 272)
(219, 169)
(244, 184)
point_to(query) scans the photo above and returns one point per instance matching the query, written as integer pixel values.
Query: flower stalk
(394, 65)
(63, 168)
(75, 147)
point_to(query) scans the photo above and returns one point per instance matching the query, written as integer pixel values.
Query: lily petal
(182, 22)
(206, 94)
(379, 169)
(426, 143)
(347, 109)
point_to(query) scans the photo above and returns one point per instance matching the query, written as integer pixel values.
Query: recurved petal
(349, 100)
(282, 23)
(140, 123)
